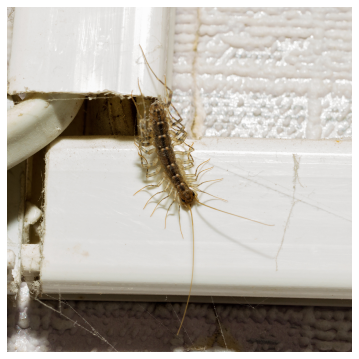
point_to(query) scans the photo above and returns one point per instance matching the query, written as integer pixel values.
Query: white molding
(99, 240)
(90, 50)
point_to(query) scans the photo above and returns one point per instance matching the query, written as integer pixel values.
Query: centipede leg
(168, 211)
(179, 218)
(151, 185)
(154, 173)
(215, 180)
(146, 165)
(158, 204)
(205, 170)
(200, 166)
(151, 198)
(179, 141)
(176, 122)
(185, 153)
(149, 164)
(147, 151)
(188, 166)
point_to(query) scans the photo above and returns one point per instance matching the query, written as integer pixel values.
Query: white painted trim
(90, 50)
(99, 240)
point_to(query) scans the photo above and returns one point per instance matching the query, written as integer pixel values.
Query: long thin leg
(178, 137)
(134, 102)
(200, 166)
(190, 146)
(186, 153)
(151, 185)
(219, 179)
(177, 122)
(154, 173)
(168, 211)
(143, 158)
(152, 197)
(189, 161)
(143, 101)
(190, 165)
(163, 198)
(148, 151)
(177, 112)
(158, 204)
(166, 86)
(207, 169)
(148, 165)
(138, 113)
(141, 146)
(179, 141)
(179, 218)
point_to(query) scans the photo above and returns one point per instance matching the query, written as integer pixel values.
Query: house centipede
(158, 134)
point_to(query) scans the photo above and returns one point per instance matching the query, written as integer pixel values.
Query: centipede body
(158, 134)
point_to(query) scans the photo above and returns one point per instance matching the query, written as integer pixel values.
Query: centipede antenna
(143, 100)
(248, 219)
(134, 104)
(190, 288)
(138, 81)
(166, 86)
(152, 197)
(168, 211)
(179, 218)
(138, 112)
(219, 179)
(224, 200)
(157, 205)
(153, 71)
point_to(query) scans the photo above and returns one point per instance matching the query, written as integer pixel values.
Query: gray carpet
(129, 326)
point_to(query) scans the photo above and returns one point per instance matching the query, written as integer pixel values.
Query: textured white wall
(264, 72)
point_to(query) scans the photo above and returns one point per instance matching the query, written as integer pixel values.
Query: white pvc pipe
(34, 123)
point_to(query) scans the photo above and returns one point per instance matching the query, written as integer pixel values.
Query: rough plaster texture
(264, 72)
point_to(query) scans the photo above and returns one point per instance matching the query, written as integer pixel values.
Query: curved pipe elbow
(37, 121)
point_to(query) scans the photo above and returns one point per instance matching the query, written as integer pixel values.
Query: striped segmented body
(158, 134)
